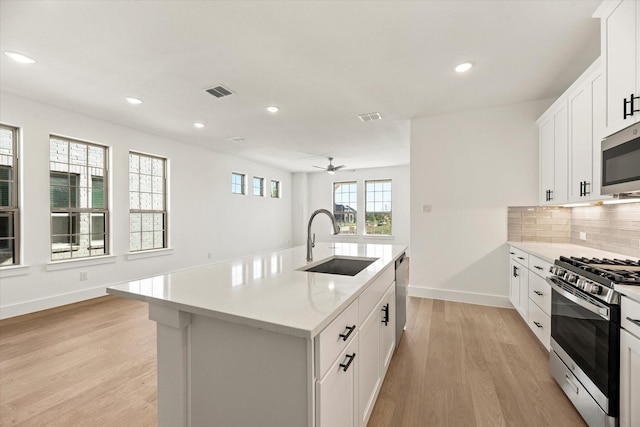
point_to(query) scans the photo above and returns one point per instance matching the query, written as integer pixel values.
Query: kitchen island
(258, 341)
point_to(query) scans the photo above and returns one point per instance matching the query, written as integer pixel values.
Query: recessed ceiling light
(273, 109)
(199, 125)
(134, 101)
(464, 67)
(18, 57)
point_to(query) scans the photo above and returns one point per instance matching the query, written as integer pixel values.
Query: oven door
(585, 335)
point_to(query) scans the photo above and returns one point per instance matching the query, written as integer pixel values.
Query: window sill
(344, 236)
(378, 236)
(149, 254)
(14, 270)
(83, 262)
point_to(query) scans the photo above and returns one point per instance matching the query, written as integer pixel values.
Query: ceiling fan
(331, 169)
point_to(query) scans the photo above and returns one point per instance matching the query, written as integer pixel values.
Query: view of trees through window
(345, 206)
(8, 196)
(378, 207)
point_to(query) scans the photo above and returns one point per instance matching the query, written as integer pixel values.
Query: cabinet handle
(522, 258)
(573, 386)
(538, 293)
(512, 253)
(549, 195)
(634, 321)
(630, 104)
(515, 271)
(538, 324)
(581, 188)
(385, 319)
(350, 329)
(345, 366)
(538, 267)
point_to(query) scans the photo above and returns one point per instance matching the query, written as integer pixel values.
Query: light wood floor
(93, 364)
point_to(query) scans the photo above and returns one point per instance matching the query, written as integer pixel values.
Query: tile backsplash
(614, 228)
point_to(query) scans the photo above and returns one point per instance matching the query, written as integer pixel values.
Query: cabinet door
(620, 48)
(369, 365)
(581, 143)
(387, 329)
(515, 274)
(629, 380)
(546, 160)
(598, 107)
(336, 392)
(560, 155)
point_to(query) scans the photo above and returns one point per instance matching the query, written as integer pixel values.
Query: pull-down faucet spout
(311, 242)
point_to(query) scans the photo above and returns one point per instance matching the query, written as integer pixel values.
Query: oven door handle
(600, 311)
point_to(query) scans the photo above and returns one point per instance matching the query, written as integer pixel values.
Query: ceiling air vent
(236, 139)
(219, 91)
(369, 116)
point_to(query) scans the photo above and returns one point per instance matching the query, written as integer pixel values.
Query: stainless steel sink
(343, 265)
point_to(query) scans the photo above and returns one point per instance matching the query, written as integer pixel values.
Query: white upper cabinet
(553, 154)
(619, 51)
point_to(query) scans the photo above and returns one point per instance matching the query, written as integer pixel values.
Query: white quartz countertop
(266, 290)
(552, 251)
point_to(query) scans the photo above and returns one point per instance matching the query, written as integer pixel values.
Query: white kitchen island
(255, 341)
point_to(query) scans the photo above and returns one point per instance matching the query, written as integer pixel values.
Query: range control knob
(582, 284)
(595, 289)
(570, 277)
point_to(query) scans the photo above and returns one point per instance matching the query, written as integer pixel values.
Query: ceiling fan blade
(338, 167)
(320, 167)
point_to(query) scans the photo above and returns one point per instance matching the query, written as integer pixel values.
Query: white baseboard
(32, 306)
(461, 296)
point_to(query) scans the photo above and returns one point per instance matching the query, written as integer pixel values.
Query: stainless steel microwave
(621, 161)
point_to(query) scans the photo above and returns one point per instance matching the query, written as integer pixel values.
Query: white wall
(204, 217)
(469, 167)
(315, 190)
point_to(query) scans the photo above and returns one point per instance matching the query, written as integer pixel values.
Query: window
(345, 206)
(258, 186)
(275, 189)
(147, 202)
(237, 183)
(9, 213)
(78, 199)
(378, 207)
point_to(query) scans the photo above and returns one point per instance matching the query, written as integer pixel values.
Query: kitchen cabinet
(619, 22)
(519, 281)
(630, 363)
(553, 154)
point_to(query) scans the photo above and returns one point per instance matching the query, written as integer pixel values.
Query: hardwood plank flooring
(94, 364)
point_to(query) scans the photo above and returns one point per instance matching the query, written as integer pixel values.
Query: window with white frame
(378, 213)
(275, 189)
(345, 206)
(147, 202)
(78, 198)
(237, 183)
(9, 212)
(258, 186)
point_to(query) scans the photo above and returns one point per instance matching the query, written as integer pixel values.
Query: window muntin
(258, 186)
(9, 212)
(237, 183)
(78, 199)
(378, 214)
(147, 202)
(275, 189)
(345, 206)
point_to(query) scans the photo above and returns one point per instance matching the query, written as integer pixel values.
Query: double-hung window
(345, 206)
(275, 189)
(78, 198)
(9, 213)
(147, 202)
(237, 183)
(258, 186)
(378, 214)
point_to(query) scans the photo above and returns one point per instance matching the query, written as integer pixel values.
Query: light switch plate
(583, 235)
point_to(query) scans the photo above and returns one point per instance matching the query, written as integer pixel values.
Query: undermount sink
(343, 265)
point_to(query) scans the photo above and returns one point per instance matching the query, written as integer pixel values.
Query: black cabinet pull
(512, 253)
(385, 310)
(515, 271)
(630, 102)
(538, 267)
(538, 324)
(549, 195)
(520, 258)
(350, 329)
(538, 293)
(586, 193)
(346, 366)
(634, 321)
(581, 188)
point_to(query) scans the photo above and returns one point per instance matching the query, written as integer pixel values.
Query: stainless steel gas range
(585, 332)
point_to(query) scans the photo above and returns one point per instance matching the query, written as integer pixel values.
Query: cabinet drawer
(540, 292)
(519, 256)
(368, 300)
(630, 315)
(540, 323)
(539, 266)
(335, 338)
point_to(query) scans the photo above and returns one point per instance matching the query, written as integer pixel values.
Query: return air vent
(369, 116)
(219, 91)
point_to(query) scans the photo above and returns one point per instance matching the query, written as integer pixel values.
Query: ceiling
(321, 62)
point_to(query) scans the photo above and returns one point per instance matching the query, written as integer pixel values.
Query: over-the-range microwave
(621, 161)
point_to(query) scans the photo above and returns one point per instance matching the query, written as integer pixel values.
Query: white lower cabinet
(519, 281)
(630, 364)
(337, 391)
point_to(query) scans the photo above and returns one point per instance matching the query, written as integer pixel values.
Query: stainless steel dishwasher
(401, 296)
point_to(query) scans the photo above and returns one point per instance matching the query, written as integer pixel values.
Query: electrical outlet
(426, 208)
(83, 275)
(583, 235)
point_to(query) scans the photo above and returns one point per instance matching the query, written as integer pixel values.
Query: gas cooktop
(616, 271)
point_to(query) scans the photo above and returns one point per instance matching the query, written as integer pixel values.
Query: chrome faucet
(311, 242)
